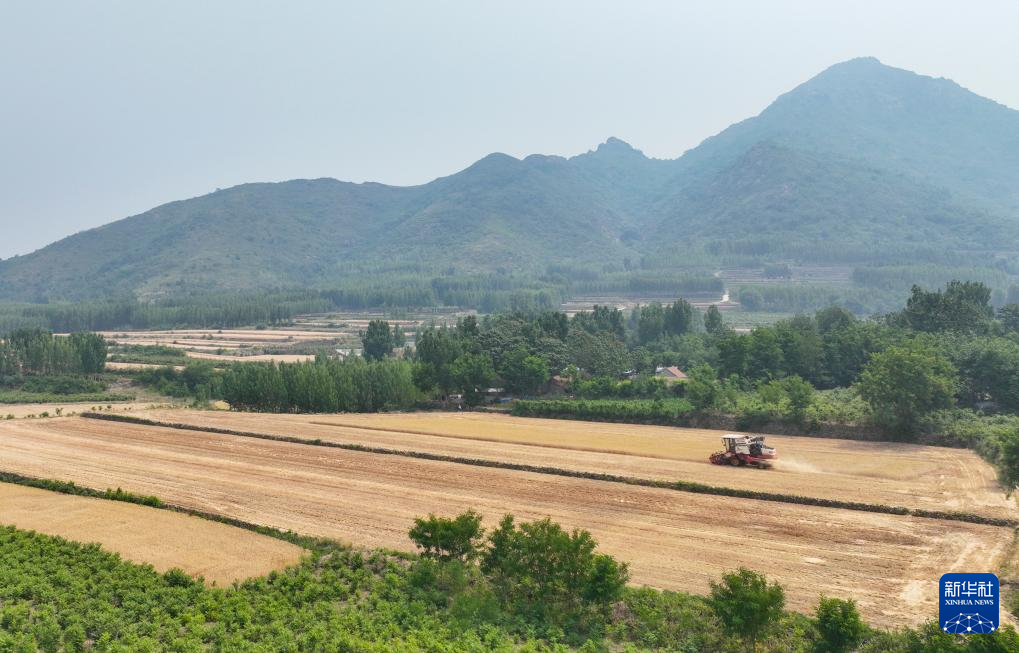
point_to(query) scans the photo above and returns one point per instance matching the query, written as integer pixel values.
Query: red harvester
(744, 450)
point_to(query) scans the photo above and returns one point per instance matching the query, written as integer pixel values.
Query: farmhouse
(671, 374)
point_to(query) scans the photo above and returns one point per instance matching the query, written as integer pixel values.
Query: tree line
(39, 352)
(325, 385)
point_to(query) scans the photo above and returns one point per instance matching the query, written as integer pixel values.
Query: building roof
(672, 372)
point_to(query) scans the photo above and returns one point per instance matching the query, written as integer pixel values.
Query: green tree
(467, 328)
(746, 604)
(91, 350)
(551, 576)
(601, 319)
(906, 382)
(733, 353)
(524, 373)
(445, 539)
(839, 626)
(751, 299)
(554, 324)
(801, 346)
(75, 638)
(713, 322)
(989, 369)
(472, 374)
(377, 340)
(963, 306)
(846, 350)
(399, 337)
(1008, 462)
(765, 359)
(832, 318)
(702, 387)
(435, 351)
(800, 395)
(1009, 316)
(680, 318)
(650, 323)
(598, 354)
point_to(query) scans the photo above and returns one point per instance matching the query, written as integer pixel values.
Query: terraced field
(164, 539)
(676, 540)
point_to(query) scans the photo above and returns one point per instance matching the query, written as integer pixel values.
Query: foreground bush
(535, 573)
(65, 597)
(747, 605)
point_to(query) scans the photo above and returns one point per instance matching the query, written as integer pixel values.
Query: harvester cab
(744, 450)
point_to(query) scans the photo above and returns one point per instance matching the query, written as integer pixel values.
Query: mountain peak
(617, 144)
(861, 63)
(612, 149)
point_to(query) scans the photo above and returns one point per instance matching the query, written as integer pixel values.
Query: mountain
(931, 129)
(864, 163)
(787, 203)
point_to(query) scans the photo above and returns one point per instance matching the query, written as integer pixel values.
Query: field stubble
(912, 476)
(672, 540)
(164, 539)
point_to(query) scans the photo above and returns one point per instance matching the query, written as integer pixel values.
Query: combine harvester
(744, 450)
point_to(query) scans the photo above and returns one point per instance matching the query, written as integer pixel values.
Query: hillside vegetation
(864, 164)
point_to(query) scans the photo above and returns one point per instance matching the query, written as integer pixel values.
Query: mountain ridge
(860, 158)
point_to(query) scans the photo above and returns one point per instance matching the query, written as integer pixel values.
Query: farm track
(673, 540)
(916, 478)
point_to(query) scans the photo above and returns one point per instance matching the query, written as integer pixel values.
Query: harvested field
(254, 358)
(912, 476)
(73, 408)
(163, 539)
(134, 367)
(282, 345)
(226, 336)
(674, 540)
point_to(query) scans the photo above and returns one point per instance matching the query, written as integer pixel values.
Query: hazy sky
(110, 108)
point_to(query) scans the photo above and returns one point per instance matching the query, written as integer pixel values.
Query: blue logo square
(968, 603)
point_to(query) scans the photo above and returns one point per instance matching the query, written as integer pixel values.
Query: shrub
(906, 382)
(703, 388)
(448, 539)
(839, 626)
(177, 578)
(550, 576)
(746, 604)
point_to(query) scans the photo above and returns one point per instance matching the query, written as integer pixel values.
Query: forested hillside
(864, 164)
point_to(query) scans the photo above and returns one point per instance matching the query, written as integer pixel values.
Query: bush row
(656, 411)
(69, 487)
